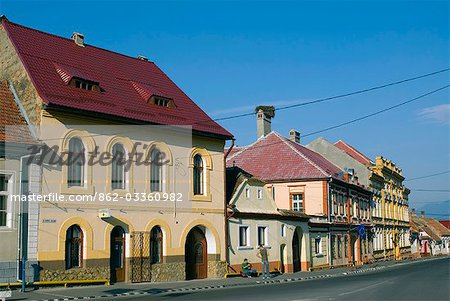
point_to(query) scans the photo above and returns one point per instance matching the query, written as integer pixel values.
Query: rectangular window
(318, 245)
(263, 235)
(259, 194)
(244, 236)
(297, 202)
(4, 197)
(283, 230)
(339, 247)
(335, 204)
(84, 85)
(247, 193)
(341, 202)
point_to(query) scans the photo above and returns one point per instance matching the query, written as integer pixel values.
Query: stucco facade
(394, 210)
(285, 235)
(175, 219)
(79, 222)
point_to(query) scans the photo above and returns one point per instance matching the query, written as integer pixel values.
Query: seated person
(247, 269)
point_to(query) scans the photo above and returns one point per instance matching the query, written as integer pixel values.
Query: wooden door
(117, 260)
(196, 255)
(200, 259)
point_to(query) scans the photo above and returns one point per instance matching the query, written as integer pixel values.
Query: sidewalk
(130, 289)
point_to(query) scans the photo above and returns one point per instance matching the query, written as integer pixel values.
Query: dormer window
(163, 102)
(83, 84)
(153, 96)
(80, 84)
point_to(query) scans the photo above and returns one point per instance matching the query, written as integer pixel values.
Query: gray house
(18, 178)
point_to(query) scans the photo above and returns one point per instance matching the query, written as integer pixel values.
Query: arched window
(76, 161)
(74, 247)
(198, 181)
(118, 165)
(156, 245)
(157, 169)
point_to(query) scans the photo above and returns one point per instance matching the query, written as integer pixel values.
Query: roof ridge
(286, 141)
(244, 148)
(69, 39)
(354, 149)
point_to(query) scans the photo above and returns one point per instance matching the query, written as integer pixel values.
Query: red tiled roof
(51, 61)
(438, 227)
(424, 226)
(446, 223)
(13, 126)
(234, 150)
(353, 152)
(275, 157)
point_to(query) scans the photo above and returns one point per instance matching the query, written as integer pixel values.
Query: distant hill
(436, 210)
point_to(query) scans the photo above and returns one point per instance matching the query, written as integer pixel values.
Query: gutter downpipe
(23, 223)
(227, 259)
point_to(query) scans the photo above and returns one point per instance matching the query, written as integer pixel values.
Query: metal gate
(140, 260)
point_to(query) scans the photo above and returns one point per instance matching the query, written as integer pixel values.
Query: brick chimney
(264, 115)
(294, 136)
(413, 211)
(346, 177)
(423, 214)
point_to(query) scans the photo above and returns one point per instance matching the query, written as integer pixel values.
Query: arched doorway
(117, 259)
(296, 264)
(156, 245)
(196, 254)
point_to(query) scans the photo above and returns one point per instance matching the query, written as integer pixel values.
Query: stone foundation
(217, 269)
(165, 272)
(91, 273)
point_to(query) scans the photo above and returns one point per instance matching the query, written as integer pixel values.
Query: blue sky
(231, 56)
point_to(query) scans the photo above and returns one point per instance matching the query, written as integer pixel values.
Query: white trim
(266, 235)
(9, 202)
(248, 236)
(247, 193)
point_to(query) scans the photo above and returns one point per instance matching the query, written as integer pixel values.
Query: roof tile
(353, 152)
(44, 54)
(275, 157)
(13, 126)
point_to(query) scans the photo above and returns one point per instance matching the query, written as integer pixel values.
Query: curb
(212, 287)
(190, 289)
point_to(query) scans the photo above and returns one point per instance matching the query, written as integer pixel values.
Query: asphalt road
(426, 280)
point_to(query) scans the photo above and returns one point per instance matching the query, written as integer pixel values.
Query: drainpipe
(227, 259)
(23, 222)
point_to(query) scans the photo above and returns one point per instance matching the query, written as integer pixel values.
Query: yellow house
(390, 204)
(132, 169)
(395, 209)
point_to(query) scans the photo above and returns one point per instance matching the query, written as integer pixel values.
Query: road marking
(363, 288)
(55, 295)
